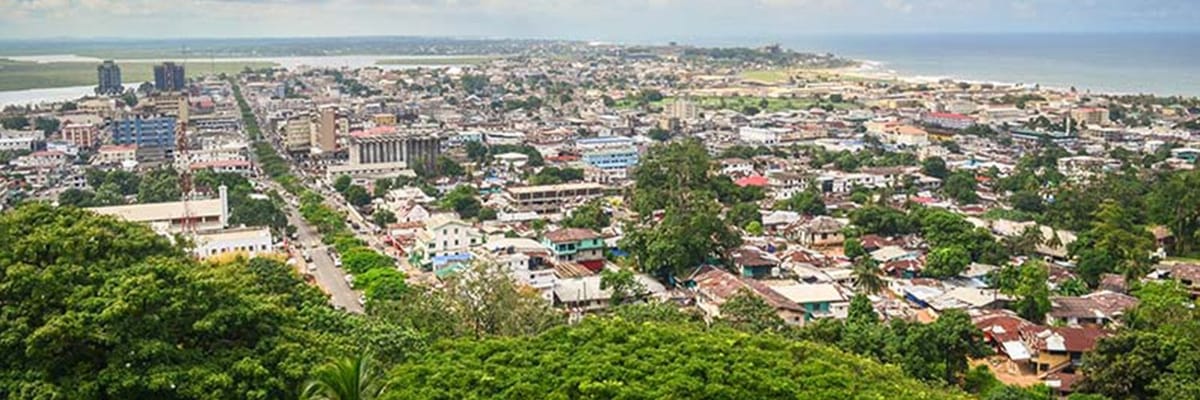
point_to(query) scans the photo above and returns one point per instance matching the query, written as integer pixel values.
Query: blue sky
(623, 20)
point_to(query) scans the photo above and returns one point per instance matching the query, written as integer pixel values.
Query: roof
(234, 234)
(950, 116)
(720, 285)
(808, 294)
(1189, 272)
(558, 187)
(753, 180)
(750, 256)
(822, 224)
(1102, 304)
(571, 235)
(162, 211)
(1069, 339)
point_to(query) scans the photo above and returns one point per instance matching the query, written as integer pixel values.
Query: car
(362, 300)
(350, 279)
(312, 267)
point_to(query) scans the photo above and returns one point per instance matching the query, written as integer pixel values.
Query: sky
(617, 20)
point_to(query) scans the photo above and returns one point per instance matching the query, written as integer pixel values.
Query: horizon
(619, 20)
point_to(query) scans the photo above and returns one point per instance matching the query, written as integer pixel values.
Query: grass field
(19, 75)
(768, 75)
(449, 60)
(741, 102)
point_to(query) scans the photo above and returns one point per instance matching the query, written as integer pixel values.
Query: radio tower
(181, 153)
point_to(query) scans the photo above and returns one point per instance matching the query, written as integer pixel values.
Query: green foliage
(357, 195)
(360, 260)
(1032, 291)
(1113, 244)
(590, 215)
(808, 202)
(381, 283)
(383, 217)
(883, 221)
(96, 308)
(622, 283)
(448, 167)
(354, 378)
(961, 187)
(674, 178)
(16, 122)
(341, 183)
(935, 167)
(555, 175)
(867, 276)
(744, 213)
(946, 262)
(660, 361)
(852, 248)
(158, 186)
(748, 312)
(463, 201)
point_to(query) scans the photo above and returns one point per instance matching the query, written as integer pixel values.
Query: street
(330, 278)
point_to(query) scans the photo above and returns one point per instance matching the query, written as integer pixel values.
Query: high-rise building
(412, 149)
(327, 130)
(108, 76)
(145, 132)
(169, 77)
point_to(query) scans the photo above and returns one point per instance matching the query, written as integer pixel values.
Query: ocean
(1157, 63)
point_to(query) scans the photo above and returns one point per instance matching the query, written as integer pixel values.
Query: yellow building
(384, 119)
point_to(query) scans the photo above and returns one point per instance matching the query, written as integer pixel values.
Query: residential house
(818, 232)
(1100, 308)
(576, 245)
(713, 286)
(754, 262)
(446, 235)
(820, 300)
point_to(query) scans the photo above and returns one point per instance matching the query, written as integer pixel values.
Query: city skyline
(577, 19)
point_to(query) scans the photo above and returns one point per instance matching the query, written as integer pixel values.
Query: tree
(622, 283)
(1114, 243)
(1033, 294)
(1025, 243)
(47, 125)
(935, 167)
(590, 215)
(381, 284)
(1176, 204)
(360, 260)
(946, 262)
(748, 312)
(852, 248)
(476, 151)
(487, 214)
(341, 183)
(867, 279)
(744, 213)
(158, 186)
(357, 196)
(15, 122)
(381, 187)
(956, 339)
(353, 378)
(808, 202)
(1027, 201)
(659, 134)
(76, 198)
(383, 217)
(961, 187)
(448, 167)
(882, 221)
(462, 200)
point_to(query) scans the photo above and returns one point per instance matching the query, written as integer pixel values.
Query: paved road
(331, 279)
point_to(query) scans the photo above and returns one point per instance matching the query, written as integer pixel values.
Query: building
(145, 132)
(1092, 116)
(713, 286)
(575, 245)
(819, 300)
(297, 133)
(108, 77)
(548, 199)
(1100, 309)
(948, 120)
(446, 236)
(761, 136)
(251, 242)
(326, 130)
(411, 149)
(1028, 136)
(112, 155)
(615, 161)
(85, 136)
(170, 217)
(169, 77)
(525, 260)
(683, 110)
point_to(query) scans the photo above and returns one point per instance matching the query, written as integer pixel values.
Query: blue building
(169, 77)
(612, 158)
(145, 132)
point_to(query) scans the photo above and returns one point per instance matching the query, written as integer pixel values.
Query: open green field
(21, 75)
(740, 102)
(449, 60)
(767, 75)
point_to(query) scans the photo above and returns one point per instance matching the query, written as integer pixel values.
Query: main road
(329, 277)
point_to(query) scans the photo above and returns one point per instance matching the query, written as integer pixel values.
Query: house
(576, 245)
(1036, 349)
(818, 232)
(583, 294)
(1188, 275)
(736, 167)
(713, 286)
(754, 262)
(446, 235)
(1096, 309)
(820, 300)
(527, 262)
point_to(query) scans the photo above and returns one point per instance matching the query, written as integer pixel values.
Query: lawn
(20, 75)
(768, 75)
(437, 60)
(741, 102)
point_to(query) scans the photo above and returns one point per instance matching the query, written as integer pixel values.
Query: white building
(446, 235)
(525, 260)
(761, 136)
(251, 242)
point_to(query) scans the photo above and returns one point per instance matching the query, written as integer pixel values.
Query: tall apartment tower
(108, 77)
(327, 130)
(169, 77)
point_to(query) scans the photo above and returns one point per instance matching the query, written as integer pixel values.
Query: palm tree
(352, 378)
(867, 277)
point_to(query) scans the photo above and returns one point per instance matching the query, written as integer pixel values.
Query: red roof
(754, 180)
